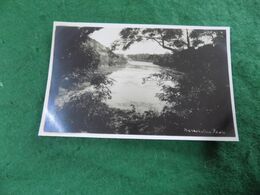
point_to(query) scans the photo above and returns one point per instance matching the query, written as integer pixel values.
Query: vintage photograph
(140, 81)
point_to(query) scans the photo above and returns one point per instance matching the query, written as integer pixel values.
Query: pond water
(129, 89)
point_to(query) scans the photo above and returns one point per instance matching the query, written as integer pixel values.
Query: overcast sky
(106, 36)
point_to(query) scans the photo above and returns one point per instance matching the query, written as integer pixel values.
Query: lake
(129, 89)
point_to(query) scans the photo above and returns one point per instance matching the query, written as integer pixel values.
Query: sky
(106, 36)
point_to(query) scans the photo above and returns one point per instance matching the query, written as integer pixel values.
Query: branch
(166, 47)
(161, 43)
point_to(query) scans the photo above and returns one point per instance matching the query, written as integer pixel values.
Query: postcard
(140, 81)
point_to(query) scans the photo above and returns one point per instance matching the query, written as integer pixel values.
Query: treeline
(115, 59)
(144, 57)
(159, 59)
(201, 99)
(106, 56)
(78, 57)
(177, 59)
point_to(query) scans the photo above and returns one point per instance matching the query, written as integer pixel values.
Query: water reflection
(133, 88)
(129, 87)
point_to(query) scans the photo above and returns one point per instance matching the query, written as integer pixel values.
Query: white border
(123, 136)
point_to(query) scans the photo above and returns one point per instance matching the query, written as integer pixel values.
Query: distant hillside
(159, 59)
(107, 57)
(142, 57)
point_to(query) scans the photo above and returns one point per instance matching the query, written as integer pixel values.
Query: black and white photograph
(135, 81)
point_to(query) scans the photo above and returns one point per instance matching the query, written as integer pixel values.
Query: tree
(71, 57)
(170, 39)
(200, 58)
(167, 38)
(72, 51)
(215, 36)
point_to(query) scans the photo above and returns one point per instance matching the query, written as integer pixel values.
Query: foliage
(199, 93)
(76, 62)
(171, 39)
(202, 92)
(189, 102)
(199, 61)
(116, 59)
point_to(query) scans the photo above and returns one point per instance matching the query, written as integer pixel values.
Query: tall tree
(170, 39)
(70, 57)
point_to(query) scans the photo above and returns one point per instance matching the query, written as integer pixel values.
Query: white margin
(123, 136)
